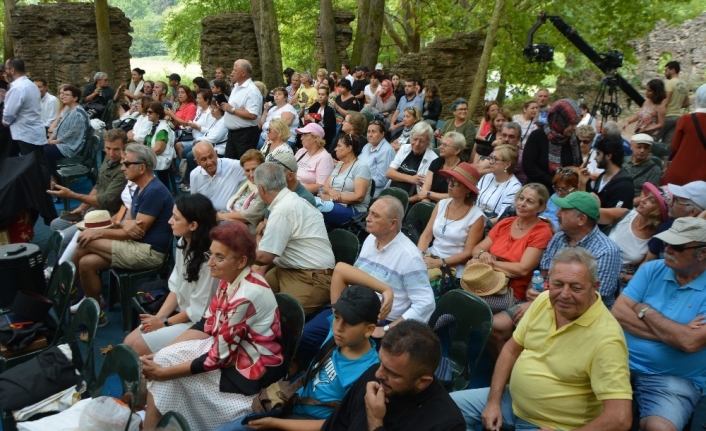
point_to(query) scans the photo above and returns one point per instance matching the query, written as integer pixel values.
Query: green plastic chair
(471, 314)
(126, 280)
(698, 419)
(174, 421)
(59, 293)
(52, 248)
(660, 149)
(345, 246)
(420, 214)
(107, 115)
(292, 317)
(397, 192)
(123, 362)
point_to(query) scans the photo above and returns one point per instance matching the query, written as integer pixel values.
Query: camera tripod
(609, 107)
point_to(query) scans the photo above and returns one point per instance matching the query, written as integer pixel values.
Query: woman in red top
(211, 372)
(187, 108)
(515, 246)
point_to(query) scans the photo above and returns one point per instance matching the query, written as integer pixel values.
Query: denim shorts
(669, 397)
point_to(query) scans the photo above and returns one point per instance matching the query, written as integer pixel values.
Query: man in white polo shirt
(242, 112)
(215, 178)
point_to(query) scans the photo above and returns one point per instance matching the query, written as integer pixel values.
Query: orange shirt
(511, 249)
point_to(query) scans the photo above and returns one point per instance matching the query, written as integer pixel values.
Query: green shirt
(645, 172)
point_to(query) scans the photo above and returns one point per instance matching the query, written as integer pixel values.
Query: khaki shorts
(135, 255)
(311, 289)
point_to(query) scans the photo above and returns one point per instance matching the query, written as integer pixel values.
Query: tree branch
(394, 36)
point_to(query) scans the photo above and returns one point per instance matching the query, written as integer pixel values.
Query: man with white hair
(217, 179)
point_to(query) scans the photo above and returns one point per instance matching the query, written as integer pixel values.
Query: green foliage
(297, 28)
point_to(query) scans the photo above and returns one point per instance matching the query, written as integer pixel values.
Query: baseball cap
(684, 230)
(582, 201)
(378, 66)
(175, 77)
(642, 138)
(358, 304)
(284, 159)
(311, 128)
(694, 191)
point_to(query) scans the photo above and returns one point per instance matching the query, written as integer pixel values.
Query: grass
(158, 68)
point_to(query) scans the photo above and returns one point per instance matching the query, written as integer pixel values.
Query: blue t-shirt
(655, 284)
(156, 201)
(334, 379)
(656, 245)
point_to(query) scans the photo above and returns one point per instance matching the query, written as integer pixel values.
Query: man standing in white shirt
(242, 112)
(23, 115)
(50, 104)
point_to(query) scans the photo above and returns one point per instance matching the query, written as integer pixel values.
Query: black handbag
(153, 300)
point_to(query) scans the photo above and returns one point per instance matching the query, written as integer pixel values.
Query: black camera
(611, 60)
(539, 52)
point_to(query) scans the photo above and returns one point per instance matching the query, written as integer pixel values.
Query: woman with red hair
(212, 371)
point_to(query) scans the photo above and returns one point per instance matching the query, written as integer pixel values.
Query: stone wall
(225, 38)
(344, 37)
(686, 43)
(58, 41)
(451, 62)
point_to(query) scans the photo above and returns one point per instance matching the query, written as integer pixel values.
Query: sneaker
(74, 308)
(102, 319)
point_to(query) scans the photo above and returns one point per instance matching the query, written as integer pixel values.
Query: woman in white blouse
(499, 186)
(282, 110)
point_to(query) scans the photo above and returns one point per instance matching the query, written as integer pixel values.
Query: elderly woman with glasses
(410, 117)
(211, 372)
(499, 187)
(348, 186)
(313, 162)
(246, 205)
(435, 186)
(461, 124)
(408, 170)
(586, 135)
(566, 180)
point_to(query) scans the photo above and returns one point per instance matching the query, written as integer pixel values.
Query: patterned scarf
(385, 96)
(561, 115)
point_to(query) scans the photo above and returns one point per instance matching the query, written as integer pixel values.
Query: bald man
(215, 178)
(242, 112)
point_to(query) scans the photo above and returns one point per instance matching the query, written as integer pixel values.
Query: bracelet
(479, 253)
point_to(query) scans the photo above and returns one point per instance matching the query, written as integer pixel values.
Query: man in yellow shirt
(567, 358)
(677, 99)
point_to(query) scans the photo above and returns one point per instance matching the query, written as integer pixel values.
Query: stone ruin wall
(344, 37)
(64, 50)
(451, 62)
(225, 38)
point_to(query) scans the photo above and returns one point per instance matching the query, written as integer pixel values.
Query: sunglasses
(565, 171)
(149, 111)
(680, 248)
(271, 158)
(453, 182)
(585, 141)
(128, 164)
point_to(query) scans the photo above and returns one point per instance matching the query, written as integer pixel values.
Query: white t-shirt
(450, 235)
(275, 113)
(634, 248)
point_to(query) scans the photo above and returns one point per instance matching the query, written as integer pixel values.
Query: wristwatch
(443, 262)
(641, 313)
(428, 195)
(385, 328)
(165, 321)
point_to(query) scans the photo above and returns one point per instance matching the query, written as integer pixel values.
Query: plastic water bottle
(537, 281)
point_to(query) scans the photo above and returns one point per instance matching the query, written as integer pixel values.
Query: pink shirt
(313, 169)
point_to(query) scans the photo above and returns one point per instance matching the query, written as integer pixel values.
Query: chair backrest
(122, 361)
(292, 317)
(51, 249)
(472, 315)
(107, 115)
(420, 214)
(85, 322)
(174, 421)
(397, 192)
(345, 246)
(59, 292)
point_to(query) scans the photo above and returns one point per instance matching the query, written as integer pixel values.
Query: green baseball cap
(582, 201)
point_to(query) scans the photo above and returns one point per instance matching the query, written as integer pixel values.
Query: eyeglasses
(271, 158)
(128, 164)
(564, 190)
(377, 122)
(680, 248)
(219, 259)
(505, 135)
(493, 159)
(453, 182)
(267, 129)
(444, 145)
(682, 203)
(462, 109)
(585, 141)
(149, 111)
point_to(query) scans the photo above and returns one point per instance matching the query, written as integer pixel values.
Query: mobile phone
(274, 413)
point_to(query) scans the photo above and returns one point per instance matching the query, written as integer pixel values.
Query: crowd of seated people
(621, 255)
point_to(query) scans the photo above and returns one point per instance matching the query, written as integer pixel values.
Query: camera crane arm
(600, 60)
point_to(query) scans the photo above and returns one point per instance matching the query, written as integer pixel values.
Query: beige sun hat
(96, 219)
(483, 280)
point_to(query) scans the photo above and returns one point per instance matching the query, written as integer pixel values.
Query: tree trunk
(482, 72)
(327, 28)
(105, 46)
(264, 19)
(361, 31)
(502, 87)
(411, 11)
(8, 48)
(373, 37)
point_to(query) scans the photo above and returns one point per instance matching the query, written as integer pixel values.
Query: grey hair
(246, 66)
(513, 126)
(307, 75)
(457, 139)
(577, 255)
(143, 154)
(701, 97)
(271, 177)
(612, 128)
(98, 76)
(422, 128)
(395, 210)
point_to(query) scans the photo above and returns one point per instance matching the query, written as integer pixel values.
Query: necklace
(446, 220)
(517, 224)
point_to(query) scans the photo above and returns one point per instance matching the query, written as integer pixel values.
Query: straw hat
(96, 219)
(483, 280)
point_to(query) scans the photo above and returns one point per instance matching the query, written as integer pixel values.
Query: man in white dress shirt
(50, 104)
(242, 112)
(217, 179)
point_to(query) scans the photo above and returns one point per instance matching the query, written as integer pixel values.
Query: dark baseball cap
(175, 77)
(358, 304)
